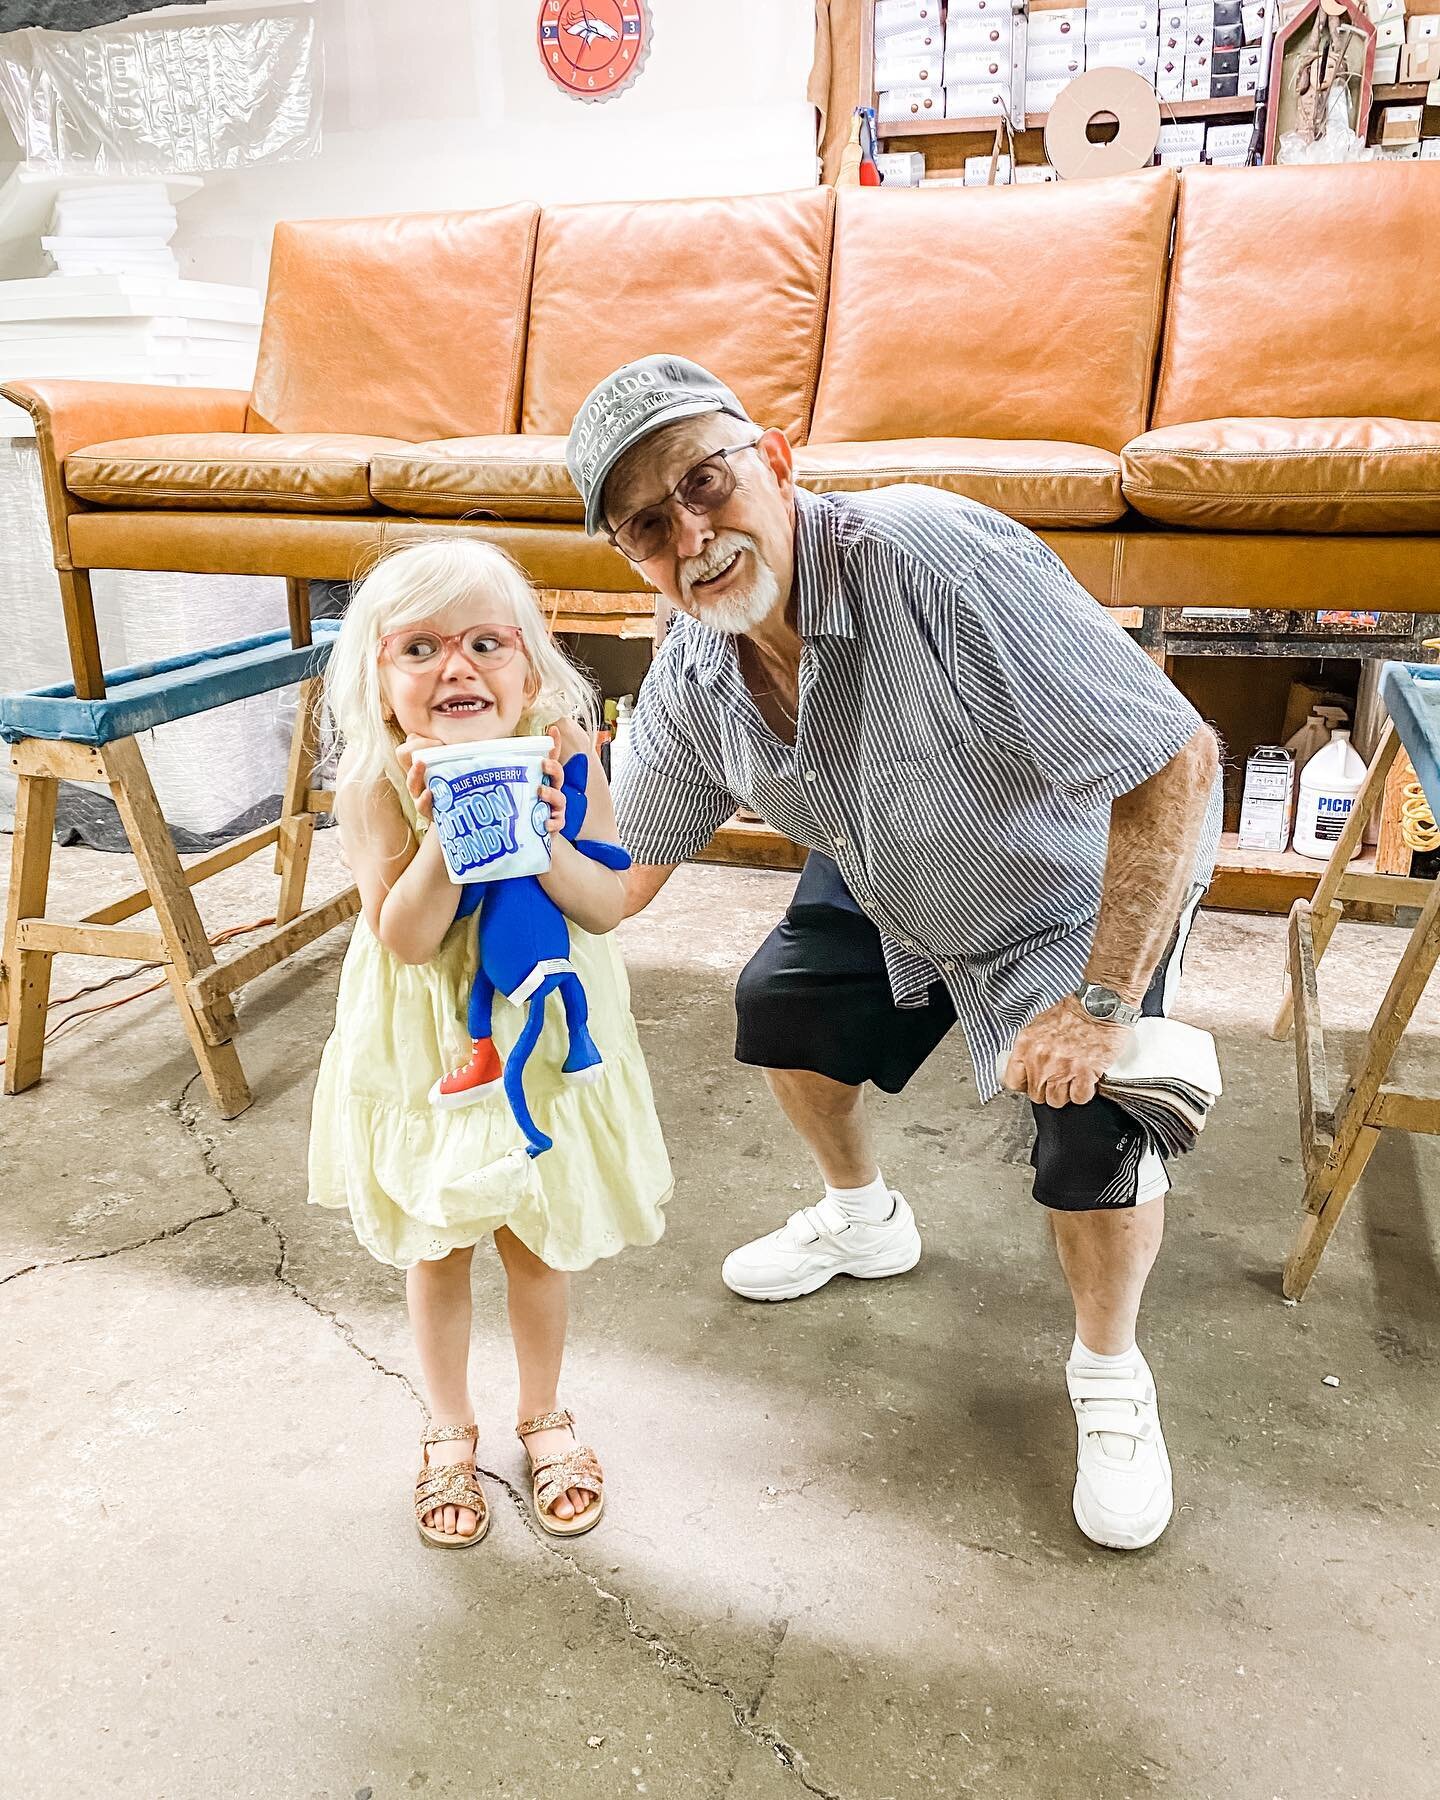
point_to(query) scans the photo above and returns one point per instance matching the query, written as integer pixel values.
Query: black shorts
(816, 996)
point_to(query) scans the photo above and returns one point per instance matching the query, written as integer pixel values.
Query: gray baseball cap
(626, 407)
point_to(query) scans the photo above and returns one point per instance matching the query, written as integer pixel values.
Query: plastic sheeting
(178, 95)
(211, 771)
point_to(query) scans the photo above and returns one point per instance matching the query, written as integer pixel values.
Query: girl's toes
(563, 1509)
(579, 1499)
(466, 1522)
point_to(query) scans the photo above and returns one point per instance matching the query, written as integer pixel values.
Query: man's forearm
(1154, 834)
(642, 883)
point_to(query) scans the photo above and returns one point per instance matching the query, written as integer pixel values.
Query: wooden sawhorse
(1338, 1137)
(56, 735)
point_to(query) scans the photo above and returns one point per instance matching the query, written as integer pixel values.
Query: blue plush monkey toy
(525, 956)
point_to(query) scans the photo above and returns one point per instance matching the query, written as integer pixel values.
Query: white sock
(868, 1205)
(1092, 1359)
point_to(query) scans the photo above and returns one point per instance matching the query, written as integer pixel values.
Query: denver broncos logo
(593, 49)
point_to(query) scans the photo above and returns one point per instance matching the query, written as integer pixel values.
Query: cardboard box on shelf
(1199, 39)
(1252, 59)
(1047, 62)
(1032, 174)
(982, 66)
(1040, 96)
(1421, 61)
(1114, 24)
(1224, 62)
(1186, 135)
(1136, 54)
(1387, 66)
(924, 70)
(1197, 87)
(978, 100)
(1249, 83)
(901, 168)
(1383, 9)
(1430, 149)
(1400, 125)
(1253, 21)
(1067, 25)
(1179, 159)
(1198, 62)
(1390, 33)
(1229, 37)
(895, 16)
(1170, 86)
(977, 171)
(1227, 140)
(987, 31)
(1224, 87)
(1402, 153)
(895, 105)
(1421, 28)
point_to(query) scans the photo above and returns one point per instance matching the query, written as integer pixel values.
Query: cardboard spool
(1118, 94)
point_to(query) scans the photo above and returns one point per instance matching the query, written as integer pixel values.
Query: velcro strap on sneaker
(1093, 1386)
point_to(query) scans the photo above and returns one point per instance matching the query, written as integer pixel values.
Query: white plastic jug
(1331, 780)
(1315, 733)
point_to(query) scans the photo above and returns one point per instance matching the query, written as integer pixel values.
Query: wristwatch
(1105, 1004)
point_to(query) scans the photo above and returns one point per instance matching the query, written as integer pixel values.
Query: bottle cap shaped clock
(594, 49)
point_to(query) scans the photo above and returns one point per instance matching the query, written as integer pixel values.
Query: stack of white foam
(1167, 1080)
(909, 61)
(117, 229)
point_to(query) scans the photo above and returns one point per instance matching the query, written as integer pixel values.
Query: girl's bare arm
(407, 896)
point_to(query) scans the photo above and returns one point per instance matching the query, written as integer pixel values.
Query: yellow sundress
(421, 1181)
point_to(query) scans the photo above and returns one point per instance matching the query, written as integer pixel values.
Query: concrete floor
(838, 1557)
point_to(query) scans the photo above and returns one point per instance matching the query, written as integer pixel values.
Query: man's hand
(1060, 1056)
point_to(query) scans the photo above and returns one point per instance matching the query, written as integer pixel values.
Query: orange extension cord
(90, 1012)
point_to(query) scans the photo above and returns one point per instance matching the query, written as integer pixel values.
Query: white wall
(433, 104)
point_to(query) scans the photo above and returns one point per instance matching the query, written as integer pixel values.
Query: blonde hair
(418, 582)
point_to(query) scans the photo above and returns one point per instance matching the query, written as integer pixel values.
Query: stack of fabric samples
(1167, 1080)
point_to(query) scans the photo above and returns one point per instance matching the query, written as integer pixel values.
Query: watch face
(1100, 1003)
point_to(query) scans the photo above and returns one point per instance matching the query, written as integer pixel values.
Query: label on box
(1228, 140)
(1183, 137)
(1424, 28)
(982, 66)
(1124, 53)
(1269, 799)
(1040, 96)
(1430, 150)
(1114, 23)
(1179, 159)
(1389, 33)
(977, 100)
(1053, 27)
(1029, 174)
(988, 32)
(910, 71)
(901, 168)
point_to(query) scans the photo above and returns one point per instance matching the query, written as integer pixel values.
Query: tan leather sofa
(1216, 389)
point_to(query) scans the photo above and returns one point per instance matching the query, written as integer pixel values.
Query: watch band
(1106, 1005)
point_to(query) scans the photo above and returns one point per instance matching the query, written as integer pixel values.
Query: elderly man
(1011, 815)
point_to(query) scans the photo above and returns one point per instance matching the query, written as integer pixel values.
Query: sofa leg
(25, 988)
(80, 633)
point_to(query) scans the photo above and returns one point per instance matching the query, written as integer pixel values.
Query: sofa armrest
(69, 415)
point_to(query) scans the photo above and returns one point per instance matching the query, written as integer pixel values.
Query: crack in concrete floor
(667, 1657)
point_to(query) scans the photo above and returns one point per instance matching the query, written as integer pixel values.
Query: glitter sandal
(552, 1476)
(449, 1484)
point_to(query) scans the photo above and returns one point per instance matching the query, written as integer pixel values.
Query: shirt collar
(822, 609)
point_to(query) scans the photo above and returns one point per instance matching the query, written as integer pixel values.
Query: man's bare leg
(1107, 1256)
(859, 1228)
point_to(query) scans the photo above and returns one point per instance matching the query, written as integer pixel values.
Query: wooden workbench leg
(1323, 1207)
(297, 823)
(1325, 902)
(26, 987)
(189, 948)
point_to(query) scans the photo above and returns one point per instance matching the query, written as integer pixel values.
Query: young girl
(444, 644)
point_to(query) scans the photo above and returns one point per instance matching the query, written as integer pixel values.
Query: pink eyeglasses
(484, 647)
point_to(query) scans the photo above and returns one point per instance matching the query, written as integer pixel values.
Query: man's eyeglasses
(484, 647)
(702, 490)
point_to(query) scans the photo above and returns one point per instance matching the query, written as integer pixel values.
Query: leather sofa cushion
(413, 326)
(1295, 293)
(499, 477)
(738, 285)
(1339, 475)
(1029, 312)
(1035, 482)
(222, 471)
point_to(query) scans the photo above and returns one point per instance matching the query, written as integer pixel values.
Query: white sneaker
(1123, 1491)
(818, 1242)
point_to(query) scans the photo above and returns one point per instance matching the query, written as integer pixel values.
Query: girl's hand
(552, 790)
(414, 773)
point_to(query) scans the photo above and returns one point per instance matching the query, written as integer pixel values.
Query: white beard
(741, 610)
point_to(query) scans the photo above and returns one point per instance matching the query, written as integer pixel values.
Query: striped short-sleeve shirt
(967, 714)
